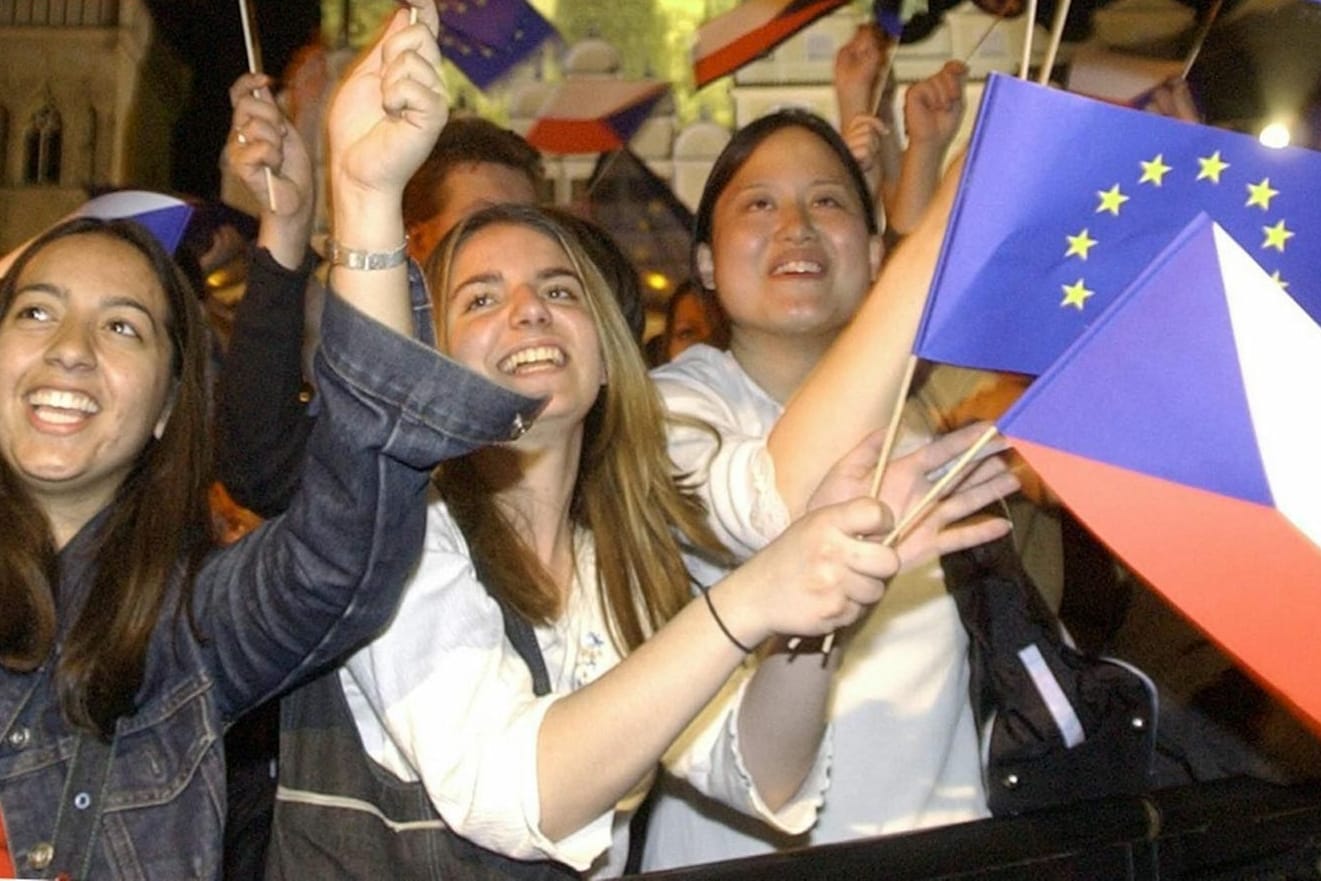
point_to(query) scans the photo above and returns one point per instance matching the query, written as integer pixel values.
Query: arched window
(42, 147)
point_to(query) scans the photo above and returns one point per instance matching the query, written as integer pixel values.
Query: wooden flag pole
(982, 39)
(892, 430)
(1030, 26)
(1202, 31)
(254, 66)
(1056, 34)
(933, 495)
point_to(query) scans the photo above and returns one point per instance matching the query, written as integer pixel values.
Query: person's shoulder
(699, 364)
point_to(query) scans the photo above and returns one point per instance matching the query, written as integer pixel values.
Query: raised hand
(908, 478)
(857, 65)
(262, 140)
(933, 107)
(389, 110)
(820, 574)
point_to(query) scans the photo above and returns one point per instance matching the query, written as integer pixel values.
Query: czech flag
(1179, 428)
(165, 217)
(750, 30)
(594, 116)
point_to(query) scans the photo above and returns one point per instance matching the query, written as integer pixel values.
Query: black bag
(1056, 725)
(344, 816)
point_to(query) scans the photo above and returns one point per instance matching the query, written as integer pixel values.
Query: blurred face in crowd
(468, 188)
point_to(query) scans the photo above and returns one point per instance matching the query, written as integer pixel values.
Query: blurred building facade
(88, 99)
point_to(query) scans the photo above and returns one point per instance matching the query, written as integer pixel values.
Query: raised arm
(855, 386)
(384, 120)
(262, 419)
(933, 109)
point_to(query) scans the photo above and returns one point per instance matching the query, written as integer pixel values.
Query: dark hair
(621, 276)
(157, 529)
(465, 140)
(747, 139)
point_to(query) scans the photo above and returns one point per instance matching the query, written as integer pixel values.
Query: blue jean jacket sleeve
(308, 586)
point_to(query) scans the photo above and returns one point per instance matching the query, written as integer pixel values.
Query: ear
(706, 267)
(875, 254)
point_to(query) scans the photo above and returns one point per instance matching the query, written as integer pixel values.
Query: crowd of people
(515, 604)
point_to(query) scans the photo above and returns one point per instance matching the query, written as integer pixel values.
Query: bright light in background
(656, 281)
(1275, 134)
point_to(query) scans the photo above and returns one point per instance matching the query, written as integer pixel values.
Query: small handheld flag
(1171, 427)
(1064, 200)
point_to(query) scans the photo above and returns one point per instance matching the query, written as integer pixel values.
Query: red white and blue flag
(594, 116)
(165, 217)
(1178, 427)
(750, 30)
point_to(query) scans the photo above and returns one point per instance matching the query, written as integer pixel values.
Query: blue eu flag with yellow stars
(486, 38)
(1065, 200)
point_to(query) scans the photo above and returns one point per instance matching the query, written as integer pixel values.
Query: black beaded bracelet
(706, 594)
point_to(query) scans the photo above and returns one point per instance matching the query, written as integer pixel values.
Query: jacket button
(19, 737)
(41, 855)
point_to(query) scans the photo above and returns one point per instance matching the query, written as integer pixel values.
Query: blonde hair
(625, 494)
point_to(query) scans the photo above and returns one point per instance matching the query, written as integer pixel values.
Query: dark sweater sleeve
(262, 418)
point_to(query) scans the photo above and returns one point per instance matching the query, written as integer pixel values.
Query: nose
(528, 308)
(72, 347)
(796, 222)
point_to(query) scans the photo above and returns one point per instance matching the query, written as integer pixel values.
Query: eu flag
(486, 38)
(1064, 201)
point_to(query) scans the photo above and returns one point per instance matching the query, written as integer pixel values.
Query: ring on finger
(239, 136)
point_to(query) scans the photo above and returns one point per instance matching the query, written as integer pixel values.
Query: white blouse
(442, 696)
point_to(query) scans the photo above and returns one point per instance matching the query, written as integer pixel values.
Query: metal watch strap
(352, 258)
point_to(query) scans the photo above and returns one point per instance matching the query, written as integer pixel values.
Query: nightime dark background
(208, 35)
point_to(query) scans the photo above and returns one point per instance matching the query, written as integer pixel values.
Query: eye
(758, 203)
(477, 302)
(829, 200)
(560, 292)
(32, 312)
(123, 327)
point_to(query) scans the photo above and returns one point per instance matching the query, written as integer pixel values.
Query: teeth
(63, 400)
(535, 355)
(797, 266)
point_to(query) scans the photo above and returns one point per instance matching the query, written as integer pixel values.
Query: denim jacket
(272, 610)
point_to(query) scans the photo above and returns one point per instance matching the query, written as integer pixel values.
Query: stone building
(88, 99)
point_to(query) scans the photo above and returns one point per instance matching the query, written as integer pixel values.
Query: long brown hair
(152, 540)
(625, 495)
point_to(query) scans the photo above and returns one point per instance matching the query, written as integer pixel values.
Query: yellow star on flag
(1075, 295)
(1275, 277)
(1079, 245)
(1155, 170)
(1276, 236)
(1111, 199)
(1211, 166)
(1261, 194)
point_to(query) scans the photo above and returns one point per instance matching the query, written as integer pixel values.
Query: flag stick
(254, 66)
(892, 431)
(928, 501)
(1056, 34)
(881, 77)
(982, 39)
(1202, 31)
(1030, 20)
